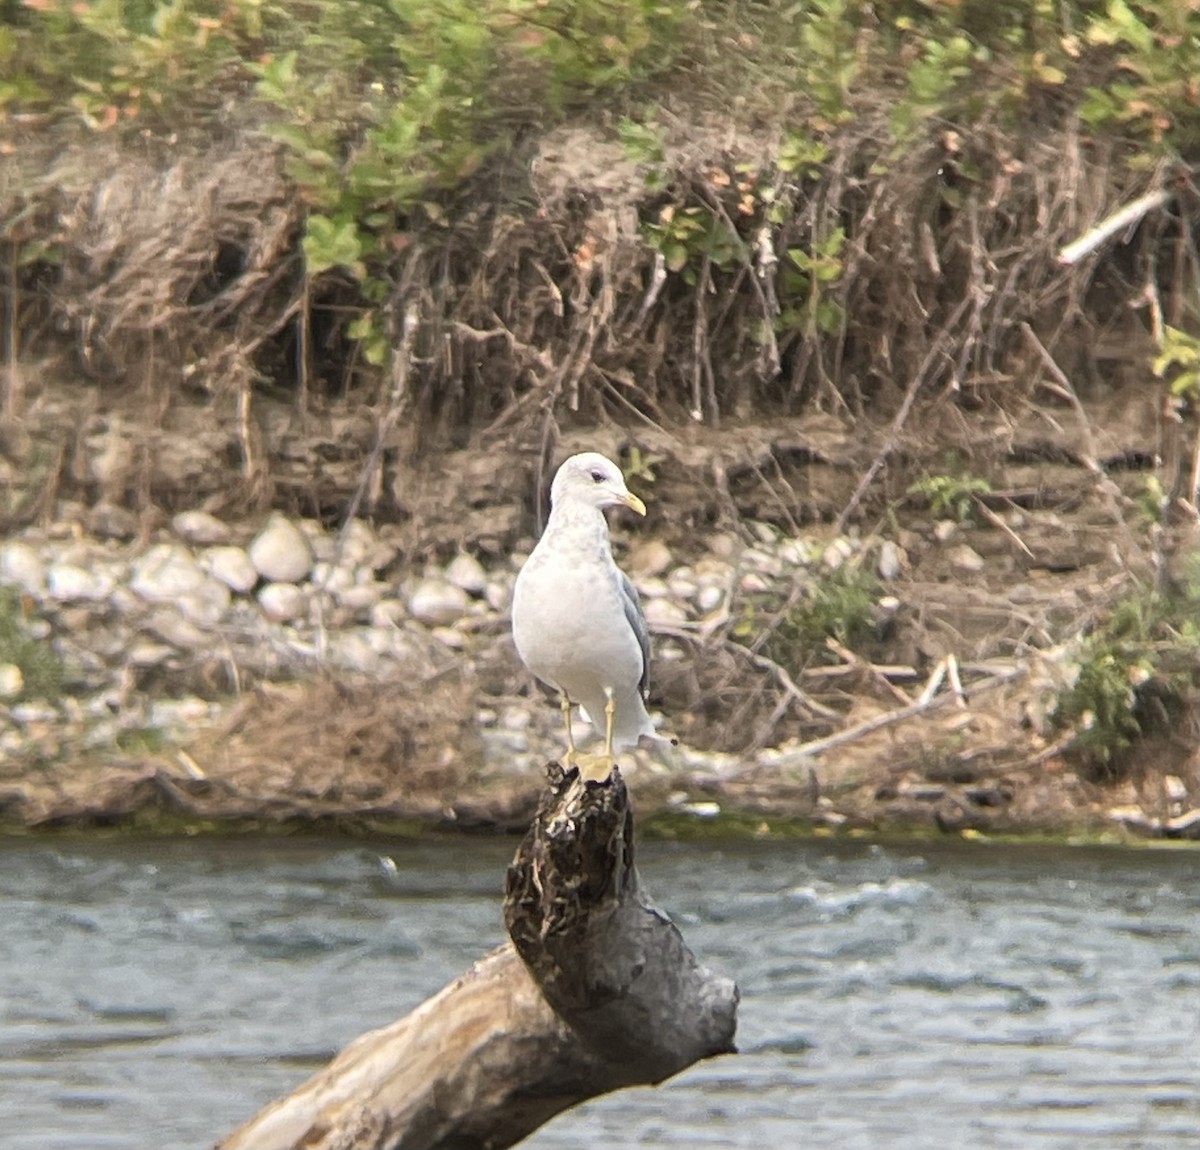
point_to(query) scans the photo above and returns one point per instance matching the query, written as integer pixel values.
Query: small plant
(1133, 674)
(1157, 49)
(41, 668)
(837, 604)
(804, 281)
(1179, 359)
(951, 496)
(689, 236)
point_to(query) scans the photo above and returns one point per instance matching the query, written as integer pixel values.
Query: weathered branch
(596, 991)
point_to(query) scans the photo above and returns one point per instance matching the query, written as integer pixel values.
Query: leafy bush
(1134, 672)
(838, 604)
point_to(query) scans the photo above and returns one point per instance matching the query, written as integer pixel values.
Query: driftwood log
(595, 991)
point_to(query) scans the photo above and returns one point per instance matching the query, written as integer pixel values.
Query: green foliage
(1179, 358)
(1133, 671)
(828, 55)
(950, 496)
(1157, 55)
(688, 237)
(838, 604)
(39, 664)
(806, 305)
(114, 62)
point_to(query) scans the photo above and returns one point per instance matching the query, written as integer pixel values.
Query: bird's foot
(594, 768)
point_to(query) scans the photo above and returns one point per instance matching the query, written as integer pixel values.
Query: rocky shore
(280, 672)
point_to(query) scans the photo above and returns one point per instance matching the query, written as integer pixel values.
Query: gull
(576, 618)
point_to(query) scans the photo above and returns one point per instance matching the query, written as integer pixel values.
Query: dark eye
(597, 476)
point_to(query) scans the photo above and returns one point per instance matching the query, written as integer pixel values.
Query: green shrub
(838, 604)
(1135, 672)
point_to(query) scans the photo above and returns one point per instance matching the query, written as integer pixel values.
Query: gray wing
(633, 613)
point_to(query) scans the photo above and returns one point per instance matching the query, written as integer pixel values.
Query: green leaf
(330, 243)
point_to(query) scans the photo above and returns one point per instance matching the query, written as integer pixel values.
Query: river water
(154, 994)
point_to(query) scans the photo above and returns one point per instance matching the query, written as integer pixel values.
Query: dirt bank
(934, 458)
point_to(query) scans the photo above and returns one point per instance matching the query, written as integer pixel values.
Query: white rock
(653, 588)
(361, 598)
(891, 560)
(388, 614)
(199, 527)
(964, 558)
(709, 598)
(795, 552)
(173, 628)
(837, 553)
(282, 602)
(437, 603)
(498, 595)
(331, 578)
(231, 566)
(33, 713)
(281, 552)
(146, 653)
(649, 557)
(207, 604)
(943, 529)
(353, 651)
(449, 637)
(12, 682)
(465, 572)
(763, 561)
(180, 714)
(166, 572)
(662, 612)
(66, 583)
(21, 566)
(1175, 788)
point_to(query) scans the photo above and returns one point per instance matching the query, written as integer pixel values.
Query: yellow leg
(610, 711)
(565, 704)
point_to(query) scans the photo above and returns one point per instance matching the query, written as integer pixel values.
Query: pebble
(281, 553)
(664, 613)
(146, 653)
(354, 651)
(795, 552)
(282, 602)
(166, 572)
(498, 595)
(437, 603)
(964, 558)
(891, 560)
(360, 598)
(169, 573)
(231, 566)
(837, 552)
(467, 574)
(21, 566)
(200, 527)
(649, 557)
(709, 598)
(12, 682)
(1175, 788)
(653, 588)
(66, 583)
(173, 628)
(387, 613)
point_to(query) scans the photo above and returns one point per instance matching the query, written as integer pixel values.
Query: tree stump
(596, 990)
